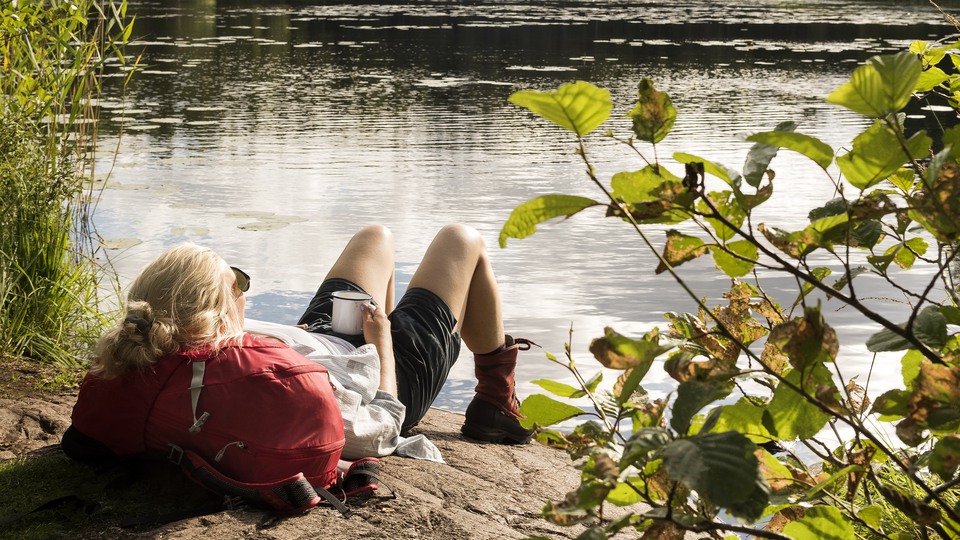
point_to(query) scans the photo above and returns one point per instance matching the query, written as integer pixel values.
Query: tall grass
(48, 301)
(52, 64)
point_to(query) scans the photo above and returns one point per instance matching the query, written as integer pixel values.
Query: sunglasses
(243, 280)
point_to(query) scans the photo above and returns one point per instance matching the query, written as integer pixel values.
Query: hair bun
(142, 325)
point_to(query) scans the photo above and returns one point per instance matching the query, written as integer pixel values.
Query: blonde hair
(181, 298)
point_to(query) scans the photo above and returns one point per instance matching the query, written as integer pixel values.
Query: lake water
(271, 131)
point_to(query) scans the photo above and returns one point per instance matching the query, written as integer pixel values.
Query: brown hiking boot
(494, 414)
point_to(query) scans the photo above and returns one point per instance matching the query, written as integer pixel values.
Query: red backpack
(257, 420)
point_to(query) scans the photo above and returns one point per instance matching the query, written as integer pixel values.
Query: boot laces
(523, 344)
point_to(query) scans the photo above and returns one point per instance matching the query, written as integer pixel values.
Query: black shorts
(425, 346)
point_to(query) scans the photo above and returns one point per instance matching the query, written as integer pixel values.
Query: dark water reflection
(271, 131)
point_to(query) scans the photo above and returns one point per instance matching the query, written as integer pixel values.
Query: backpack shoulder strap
(196, 384)
(293, 494)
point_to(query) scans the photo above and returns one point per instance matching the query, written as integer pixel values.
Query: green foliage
(579, 107)
(49, 76)
(694, 459)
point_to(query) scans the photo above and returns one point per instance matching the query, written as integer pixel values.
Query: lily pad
(267, 221)
(120, 243)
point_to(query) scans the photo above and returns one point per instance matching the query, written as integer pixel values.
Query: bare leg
(457, 269)
(368, 261)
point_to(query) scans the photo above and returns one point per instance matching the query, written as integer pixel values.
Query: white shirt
(371, 418)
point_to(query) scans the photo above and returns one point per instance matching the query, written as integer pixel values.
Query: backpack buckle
(176, 454)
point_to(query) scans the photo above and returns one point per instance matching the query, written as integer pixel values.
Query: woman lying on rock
(184, 372)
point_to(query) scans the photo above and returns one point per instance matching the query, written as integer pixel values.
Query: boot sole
(498, 436)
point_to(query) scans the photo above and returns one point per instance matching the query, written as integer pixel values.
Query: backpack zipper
(219, 456)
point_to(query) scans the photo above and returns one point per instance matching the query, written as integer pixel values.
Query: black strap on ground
(67, 500)
(150, 519)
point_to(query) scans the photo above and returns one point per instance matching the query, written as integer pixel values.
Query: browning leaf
(858, 402)
(654, 115)
(780, 240)
(861, 457)
(937, 208)
(736, 316)
(773, 356)
(803, 341)
(769, 310)
(679, 249)
(935, 388)
(663, 530)
(781, 518)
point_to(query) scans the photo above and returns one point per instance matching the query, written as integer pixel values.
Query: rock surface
(485, 491)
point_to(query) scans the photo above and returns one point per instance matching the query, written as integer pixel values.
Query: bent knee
(464, 234)
(375, 233)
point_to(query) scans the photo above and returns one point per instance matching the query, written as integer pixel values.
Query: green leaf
(729, 176)
(848, 277)
(679, 249)
(559, 389)
(722, 468)
(746, 418)
(543, 411)
(951, 313)
(735, 266)
(917, 245)
(951, 138)
(841, 474)
(524, 219)
(935, 168)
(761, 154)
(892, 404)
(616, 351)
(931, 79)
(791, 414)
(593, 533)
(694, 395)
(904, 178)
(905, 254)
(866, 234)
(903, 258)
(930, 327)
(641, 443)
(728, 206)
(880, 87)
(820, 152)
(880, 262)
(624, 495)
(594, 382)
(820, 273)
(579, 107)
(629, 383)
(910, 367)
(871, 515)
(945, 458)
(820, 523)
(877, 154)
(833, 207)
(653, 195)
(639, 186)
(654, 115)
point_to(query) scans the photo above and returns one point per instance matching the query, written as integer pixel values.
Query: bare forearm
(388, 370)
(376, 331)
